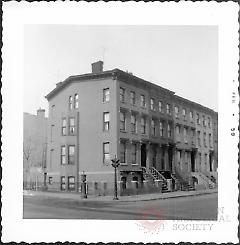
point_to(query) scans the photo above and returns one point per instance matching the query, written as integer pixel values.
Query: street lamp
(84, 185)
(115, 164)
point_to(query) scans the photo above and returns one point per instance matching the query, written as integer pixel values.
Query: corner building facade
(96, 116)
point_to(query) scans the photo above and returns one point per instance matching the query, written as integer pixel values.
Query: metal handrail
(204, 177)
(173, 177)
(156, 172)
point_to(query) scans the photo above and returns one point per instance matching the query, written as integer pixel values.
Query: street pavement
(167, 206)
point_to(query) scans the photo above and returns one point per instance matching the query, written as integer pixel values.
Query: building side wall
(89, 136)
(34, 147)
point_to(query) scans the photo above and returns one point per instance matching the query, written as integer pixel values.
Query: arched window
(76, 102)
(70, 102)
(124, 180)
(135, 178)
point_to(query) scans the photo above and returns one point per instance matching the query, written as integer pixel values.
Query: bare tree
(28, 155)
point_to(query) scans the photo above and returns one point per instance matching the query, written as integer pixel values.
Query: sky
(183, 59)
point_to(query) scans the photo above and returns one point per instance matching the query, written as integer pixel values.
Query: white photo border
(16, 15)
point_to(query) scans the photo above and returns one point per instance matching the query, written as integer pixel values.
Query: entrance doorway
(192, 161)
(143, 155)
(210, 162)
(170, 157)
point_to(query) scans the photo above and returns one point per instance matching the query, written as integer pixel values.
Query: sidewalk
(136, 198)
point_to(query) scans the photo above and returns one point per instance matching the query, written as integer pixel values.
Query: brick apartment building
(156, 134)
(34, 148)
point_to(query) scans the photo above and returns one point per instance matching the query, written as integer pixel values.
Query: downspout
(77, 143)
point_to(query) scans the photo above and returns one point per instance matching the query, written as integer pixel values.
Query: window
(160, 106)
(178, 133)
(168, 109)
(71, 183)
(204, 121)
(106, 121)
(134, 154)
(169, 130)
(210, 139)
(76, 102)
(133, 123)
(51, 133)
(177, 130)
(71, 125)
(154, 156)
(199, 137)
(184, 112)
(153, 127)
(209, 122)
(53, 110)
(193, 135)
(71, 154)
(152, 104)
(63, 154)
(143, 100)
(106, 95)
(198, 118)
(122, 94)
(143, 125)
(63, 183)
(123, 152)
(161, 128)
(176, 111)
(133, 97)
(50, 180)
(135, 178)
(106, 152)
(122, 121)
(199, 159)
(186, 157)
(179, 157)
(204, 139)
(51, 158)
(191, 116)
(185, 134)
(70, 102)
(64, 126)
(205, 160)
(124, 181)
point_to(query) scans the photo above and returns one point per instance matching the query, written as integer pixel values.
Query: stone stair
(210, 184)
(152, 174)
(159, 176)
(184, 183)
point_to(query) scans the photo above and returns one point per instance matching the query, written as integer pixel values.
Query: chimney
(41, 113)
(97, 67)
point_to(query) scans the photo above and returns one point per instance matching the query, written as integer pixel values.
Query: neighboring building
(194, 131)
(95, 116)
(34, 148)
(215, 144)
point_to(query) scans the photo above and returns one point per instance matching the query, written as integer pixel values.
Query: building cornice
(195, 105)
(123, 76)
(82, 77)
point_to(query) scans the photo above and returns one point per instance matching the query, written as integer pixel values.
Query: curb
(169, 197)
(134, 200)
